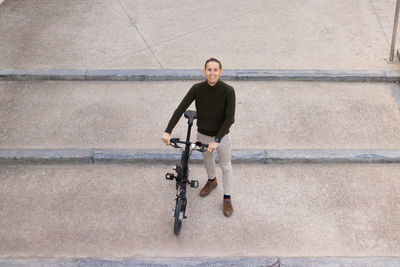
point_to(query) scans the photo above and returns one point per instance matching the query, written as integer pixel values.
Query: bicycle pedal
(194, 183)
(170, 176)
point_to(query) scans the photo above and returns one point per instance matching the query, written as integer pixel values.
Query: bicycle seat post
(191, 115)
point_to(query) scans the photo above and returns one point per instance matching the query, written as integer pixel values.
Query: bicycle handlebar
(176, 141)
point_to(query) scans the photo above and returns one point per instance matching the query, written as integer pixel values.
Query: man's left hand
(212, 146)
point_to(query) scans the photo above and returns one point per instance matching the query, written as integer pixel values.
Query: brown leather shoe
(208, 187)
(228, 209)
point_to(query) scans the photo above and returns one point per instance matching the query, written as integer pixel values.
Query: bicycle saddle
(190, 114)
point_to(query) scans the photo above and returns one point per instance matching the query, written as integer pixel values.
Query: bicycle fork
(181, 192)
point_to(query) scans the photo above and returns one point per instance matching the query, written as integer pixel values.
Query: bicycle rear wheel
(179, 214)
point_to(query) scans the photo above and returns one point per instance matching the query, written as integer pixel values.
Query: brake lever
(174, 145)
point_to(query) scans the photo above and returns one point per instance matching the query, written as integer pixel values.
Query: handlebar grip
(174, 140)
(202, 146)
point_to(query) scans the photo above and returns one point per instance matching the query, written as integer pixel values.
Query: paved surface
(205, 262)
(151, 156)
(287, 212)
(127, 115)
(187, 74)
(157, 34)
(125, 211)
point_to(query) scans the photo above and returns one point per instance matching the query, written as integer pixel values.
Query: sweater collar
(215, 86)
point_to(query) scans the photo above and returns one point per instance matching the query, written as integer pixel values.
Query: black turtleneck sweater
(215, 106)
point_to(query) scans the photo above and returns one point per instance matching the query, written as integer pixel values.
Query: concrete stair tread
(125, 211)
(132, 115)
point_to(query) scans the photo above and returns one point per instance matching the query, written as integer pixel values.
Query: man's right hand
(166, 137)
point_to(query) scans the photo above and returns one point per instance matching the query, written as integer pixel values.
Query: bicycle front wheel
(179, 213)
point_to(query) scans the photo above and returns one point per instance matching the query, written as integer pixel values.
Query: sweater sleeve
(229, 114)
(185, 103)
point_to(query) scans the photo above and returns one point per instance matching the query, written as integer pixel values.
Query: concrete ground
(133, 115)
(182, 34)
(125, 211)
(107, 211)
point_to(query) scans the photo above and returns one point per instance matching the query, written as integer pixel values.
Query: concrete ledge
(343, 262)
(202, 262)
(248, 156)
(197, 74)
(42, 75)
(140, 156)
(280, 156)
(332, 156)
(315, 75)
(46, 156)
(392, 76)
(396, 94)
(143, 75)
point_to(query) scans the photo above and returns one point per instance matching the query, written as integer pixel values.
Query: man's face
(212, 72)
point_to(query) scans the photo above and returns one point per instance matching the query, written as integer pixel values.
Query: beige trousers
(224, 155)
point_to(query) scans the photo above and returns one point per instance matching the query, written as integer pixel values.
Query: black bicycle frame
(185, 154)
(182, 171)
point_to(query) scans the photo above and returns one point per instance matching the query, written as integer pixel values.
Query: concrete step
(196, 74)
(205, 262)
(132, 115)
(251, 34)
(125, 212)
(261, 156)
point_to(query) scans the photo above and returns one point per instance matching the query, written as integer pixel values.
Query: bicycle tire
(179, 211)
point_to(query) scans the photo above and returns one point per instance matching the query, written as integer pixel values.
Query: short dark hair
(213, 60)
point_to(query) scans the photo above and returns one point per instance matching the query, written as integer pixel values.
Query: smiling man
(215, 106)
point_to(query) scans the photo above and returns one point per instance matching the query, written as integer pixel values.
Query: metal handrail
(396, 22)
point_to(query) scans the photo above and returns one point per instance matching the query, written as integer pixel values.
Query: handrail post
(396, 22)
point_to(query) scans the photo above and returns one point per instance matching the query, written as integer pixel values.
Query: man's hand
(166, 137)
(212, 146)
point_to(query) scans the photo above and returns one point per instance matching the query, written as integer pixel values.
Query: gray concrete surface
(112, 212)
(128, 115)
(206, 262)
(151, 156)
(146, 262)
(186, 74)
(125, 211)
(157, 34)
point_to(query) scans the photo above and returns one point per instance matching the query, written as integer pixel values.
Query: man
(215, 106)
